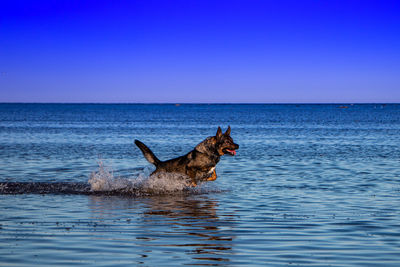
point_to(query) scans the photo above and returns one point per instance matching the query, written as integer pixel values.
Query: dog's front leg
(213, 176)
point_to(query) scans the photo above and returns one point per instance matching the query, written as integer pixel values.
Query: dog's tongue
(233, 152)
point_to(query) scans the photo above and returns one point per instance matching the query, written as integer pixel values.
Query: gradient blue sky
(200, 51)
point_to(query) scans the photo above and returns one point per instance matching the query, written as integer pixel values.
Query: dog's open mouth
(230, 152)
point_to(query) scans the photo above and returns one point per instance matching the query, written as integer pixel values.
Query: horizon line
(208, 103)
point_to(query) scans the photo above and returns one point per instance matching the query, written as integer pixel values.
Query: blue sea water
(311, 185)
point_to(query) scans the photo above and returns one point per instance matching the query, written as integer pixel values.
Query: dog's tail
(147, 153)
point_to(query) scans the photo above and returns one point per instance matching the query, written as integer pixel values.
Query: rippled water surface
(311, 185)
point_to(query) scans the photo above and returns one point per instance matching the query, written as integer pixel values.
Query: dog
(199, 164)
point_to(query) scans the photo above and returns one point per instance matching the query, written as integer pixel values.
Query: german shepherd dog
(199, 164)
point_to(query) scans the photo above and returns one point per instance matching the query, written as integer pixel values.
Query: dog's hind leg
(192, 174)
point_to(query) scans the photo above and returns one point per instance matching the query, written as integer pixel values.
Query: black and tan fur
(199, 164)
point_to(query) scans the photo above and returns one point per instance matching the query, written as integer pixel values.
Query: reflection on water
(174, 223)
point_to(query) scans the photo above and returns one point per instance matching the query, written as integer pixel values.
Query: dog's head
(221, 144)
(225, 144)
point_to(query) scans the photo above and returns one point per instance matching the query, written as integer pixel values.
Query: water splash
(104, 180)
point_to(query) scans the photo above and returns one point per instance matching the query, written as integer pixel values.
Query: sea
(310, 185)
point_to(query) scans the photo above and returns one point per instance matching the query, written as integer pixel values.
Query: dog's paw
(213, 176)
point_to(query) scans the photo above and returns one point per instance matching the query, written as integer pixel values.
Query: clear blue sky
(200, 51)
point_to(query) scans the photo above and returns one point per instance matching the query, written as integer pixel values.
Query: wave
(44, 188)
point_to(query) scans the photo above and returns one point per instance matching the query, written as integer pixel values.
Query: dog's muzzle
(231, 152)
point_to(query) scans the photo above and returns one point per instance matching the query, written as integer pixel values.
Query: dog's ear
(228, 131)
(219, 133)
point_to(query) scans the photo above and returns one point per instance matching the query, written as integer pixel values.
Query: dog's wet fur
(199, 164)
